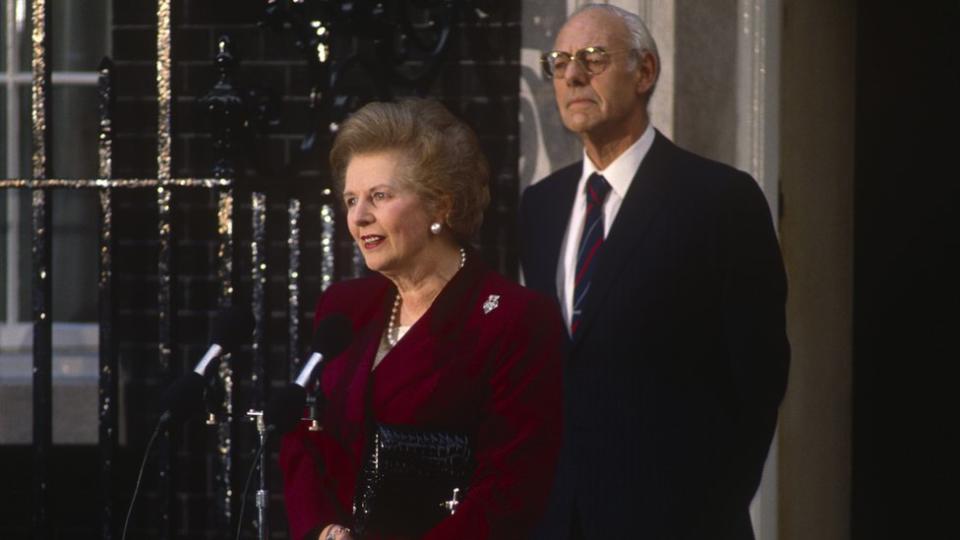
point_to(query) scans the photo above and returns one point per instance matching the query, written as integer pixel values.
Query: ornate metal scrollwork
(236, 116)
(224, 107)
(359, 51)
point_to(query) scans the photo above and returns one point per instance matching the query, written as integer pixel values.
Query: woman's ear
(443, 209)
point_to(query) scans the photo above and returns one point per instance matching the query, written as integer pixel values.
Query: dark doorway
(906, 237)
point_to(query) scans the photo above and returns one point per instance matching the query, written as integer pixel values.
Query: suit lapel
(644, 199)
(364, 350)
(432, 340)
(554, 223)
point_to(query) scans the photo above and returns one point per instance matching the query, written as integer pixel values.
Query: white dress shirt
(619, 175)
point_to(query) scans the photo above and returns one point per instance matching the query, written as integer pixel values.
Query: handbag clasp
(451, 505)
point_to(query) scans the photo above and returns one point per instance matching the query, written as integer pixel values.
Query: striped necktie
(590, 243)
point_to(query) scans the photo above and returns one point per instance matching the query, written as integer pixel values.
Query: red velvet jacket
(494, 374)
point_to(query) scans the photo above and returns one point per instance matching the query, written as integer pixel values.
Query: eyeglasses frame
(577, 56)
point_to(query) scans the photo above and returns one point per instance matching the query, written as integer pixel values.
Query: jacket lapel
(432, 340)
(644, 199)
(345, 404)
(554, 223)
(365, 349)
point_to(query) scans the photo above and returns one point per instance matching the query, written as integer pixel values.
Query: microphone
(185, 396)
(285, 407)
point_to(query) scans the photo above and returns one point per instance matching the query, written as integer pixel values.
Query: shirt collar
(620, 173)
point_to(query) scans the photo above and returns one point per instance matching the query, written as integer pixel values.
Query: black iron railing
(397, 46)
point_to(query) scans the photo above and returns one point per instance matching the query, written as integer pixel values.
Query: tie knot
(597, 188)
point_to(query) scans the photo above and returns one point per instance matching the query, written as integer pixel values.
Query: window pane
(4, 259)
(78, 36)
(4, 197)
(21, 16)
(3, 131)
(23, 259)
(75, 256)
(75, 233)
(76, 121)
(75, 245)
(23, 203)
(23, 28)
(26, 138)
(79, 33)
(3, 39)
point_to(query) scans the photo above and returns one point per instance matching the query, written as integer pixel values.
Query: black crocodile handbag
(410, 480)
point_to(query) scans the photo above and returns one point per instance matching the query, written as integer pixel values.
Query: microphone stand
(313, 406)
(262, 494)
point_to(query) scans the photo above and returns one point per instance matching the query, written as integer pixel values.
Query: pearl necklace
(392, 332)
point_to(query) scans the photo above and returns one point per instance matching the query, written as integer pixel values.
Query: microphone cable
(246, 487)
(143, 464)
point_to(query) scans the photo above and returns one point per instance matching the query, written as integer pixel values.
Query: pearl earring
(435, 227)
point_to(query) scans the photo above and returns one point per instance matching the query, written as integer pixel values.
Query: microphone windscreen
(332, 336)
(231, 327)
(183, 398)
(285, 408)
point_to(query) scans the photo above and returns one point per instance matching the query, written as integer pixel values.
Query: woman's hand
(335, 532)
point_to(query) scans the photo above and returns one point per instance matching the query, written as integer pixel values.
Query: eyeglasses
(592, 59)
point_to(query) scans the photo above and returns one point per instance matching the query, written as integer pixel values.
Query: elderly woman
(441, 342)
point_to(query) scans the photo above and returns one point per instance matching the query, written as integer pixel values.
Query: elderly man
(669, 275)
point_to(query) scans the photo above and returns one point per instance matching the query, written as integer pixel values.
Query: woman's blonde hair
(440, 156)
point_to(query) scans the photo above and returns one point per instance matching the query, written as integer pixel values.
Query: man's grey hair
(639, 34)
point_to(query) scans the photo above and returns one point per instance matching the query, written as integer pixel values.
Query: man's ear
(648, 70)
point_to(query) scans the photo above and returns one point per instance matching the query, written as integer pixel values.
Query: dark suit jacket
(494, 375)
(672, 386)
